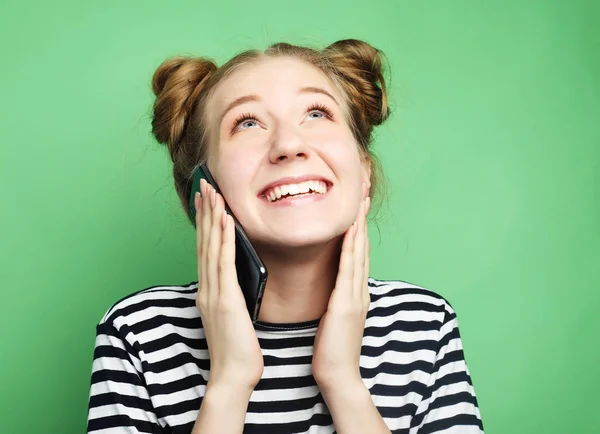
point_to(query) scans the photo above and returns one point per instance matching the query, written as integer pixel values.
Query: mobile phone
(251, 271)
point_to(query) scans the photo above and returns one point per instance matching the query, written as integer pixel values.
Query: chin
(307, 237)
(302, 235)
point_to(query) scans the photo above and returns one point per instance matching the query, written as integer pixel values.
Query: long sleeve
(119, 401)
(449, 405)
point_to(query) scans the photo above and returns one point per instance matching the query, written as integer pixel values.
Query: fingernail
(197, 200)
(213, 198)
(202, 186)
(355, 229)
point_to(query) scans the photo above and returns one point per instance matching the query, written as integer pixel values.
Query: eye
(248, 123)
(246, 119)
(320, 111)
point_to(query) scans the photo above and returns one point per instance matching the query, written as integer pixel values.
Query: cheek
(341, 153)
(234, 170)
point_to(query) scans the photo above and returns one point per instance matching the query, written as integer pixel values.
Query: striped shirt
(151, 366)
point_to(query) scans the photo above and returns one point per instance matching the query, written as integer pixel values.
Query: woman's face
(283, 154)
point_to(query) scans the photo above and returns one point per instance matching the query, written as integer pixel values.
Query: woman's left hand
(338, 341)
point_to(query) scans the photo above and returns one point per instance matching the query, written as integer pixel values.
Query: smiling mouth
(306, 188)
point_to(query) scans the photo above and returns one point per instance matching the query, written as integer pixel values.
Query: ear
(366, 172)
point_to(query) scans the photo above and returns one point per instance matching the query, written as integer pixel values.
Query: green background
(492, 155)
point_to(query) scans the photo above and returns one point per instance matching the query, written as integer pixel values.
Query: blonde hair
(183, 85)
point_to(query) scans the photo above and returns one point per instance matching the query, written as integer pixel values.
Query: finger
(205, 225)
(214, 244)
(346, 268)
(359, 251)
(227, 271)
(198, 217)
(367, 245)
(367, 270)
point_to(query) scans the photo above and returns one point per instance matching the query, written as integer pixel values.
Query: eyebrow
(247, 98)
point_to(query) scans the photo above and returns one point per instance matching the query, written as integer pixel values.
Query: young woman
(286, 134)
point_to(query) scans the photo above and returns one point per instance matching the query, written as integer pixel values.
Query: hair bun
(177, 83)
(360, 65)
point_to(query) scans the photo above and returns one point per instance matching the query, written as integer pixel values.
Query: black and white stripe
(151, 365)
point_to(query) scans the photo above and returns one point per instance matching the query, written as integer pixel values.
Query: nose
(287, 143)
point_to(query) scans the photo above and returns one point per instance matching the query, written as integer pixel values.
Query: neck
(300, 282)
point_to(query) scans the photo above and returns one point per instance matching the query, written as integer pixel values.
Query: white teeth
(314, 186)
(303, 188)
(293, 189)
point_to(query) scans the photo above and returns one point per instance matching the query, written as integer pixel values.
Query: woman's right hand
(235, 357)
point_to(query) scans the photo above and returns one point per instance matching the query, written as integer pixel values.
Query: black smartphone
(251, 271)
